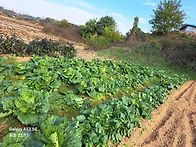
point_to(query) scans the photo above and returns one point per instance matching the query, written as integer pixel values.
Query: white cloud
(84, 4)
(149, 3)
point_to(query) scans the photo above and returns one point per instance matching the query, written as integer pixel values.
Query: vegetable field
(58, 102)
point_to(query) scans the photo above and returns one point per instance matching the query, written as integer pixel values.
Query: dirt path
(172, 125)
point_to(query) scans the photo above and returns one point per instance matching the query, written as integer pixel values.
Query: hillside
(28, 31)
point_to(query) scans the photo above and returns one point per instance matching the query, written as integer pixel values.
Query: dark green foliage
(40, 47)
(30, 106)
(12, 45)
(100, 34)
(94, 27)
(167, 16)
(50, 48)
(89, 28)
(105, 22)
(117, 118)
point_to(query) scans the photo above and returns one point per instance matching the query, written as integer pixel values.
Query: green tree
(94, 27)
(105, 22)
(90, 28)
(167, 16)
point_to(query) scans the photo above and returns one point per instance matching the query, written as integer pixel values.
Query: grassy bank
(147, 58)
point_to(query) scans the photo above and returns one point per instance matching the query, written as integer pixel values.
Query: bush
(104, 41)
(63, 23)
(12, 45)
(98, 42)
(89, 29)
(100, 34)
(112, 35)
(93, 27)
(50, 48)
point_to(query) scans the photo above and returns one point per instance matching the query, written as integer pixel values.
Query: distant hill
(12, 14)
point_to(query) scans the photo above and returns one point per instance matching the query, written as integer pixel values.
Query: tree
(167, 16)
(90, 28)
(94, 27)
(105, 22)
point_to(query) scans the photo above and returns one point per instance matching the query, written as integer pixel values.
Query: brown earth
(173, 124)
(28, 31)
(2, 127)
(70, 32)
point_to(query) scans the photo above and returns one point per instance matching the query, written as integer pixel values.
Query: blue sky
(79, 11)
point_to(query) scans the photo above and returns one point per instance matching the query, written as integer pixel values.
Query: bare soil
(173, 124)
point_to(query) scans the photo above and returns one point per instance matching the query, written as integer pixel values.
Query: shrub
(98, 42)
(40, 47)
(112, 35)
(50, 48)
(178, 49)
(100, 34)
(63, 23)
(103, 41)
(93, 27)
(12, 45)
(89, 29)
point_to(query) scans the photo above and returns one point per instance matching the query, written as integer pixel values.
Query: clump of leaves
(30, 106)
(51, 48)
(54, 132)
(39, 47)
(12, 45)
(100, 34)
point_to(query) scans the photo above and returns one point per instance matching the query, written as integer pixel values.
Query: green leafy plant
(39, 47)
(78, 103)
(12, 45)
(54, 131)
(50, 48)
(30, 106)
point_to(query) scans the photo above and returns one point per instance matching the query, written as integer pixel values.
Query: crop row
(75, 103)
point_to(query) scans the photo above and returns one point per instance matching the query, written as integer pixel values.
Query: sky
(80, 11)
